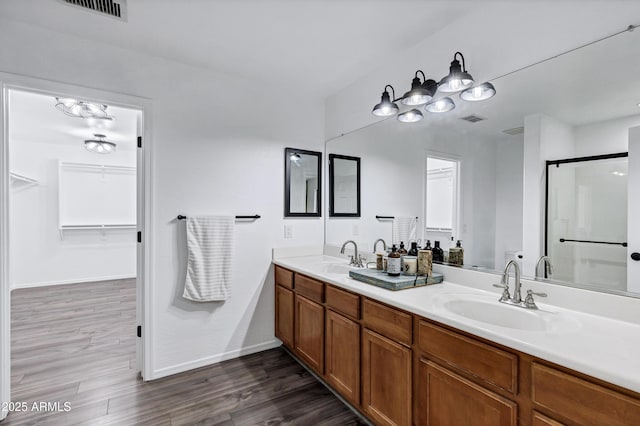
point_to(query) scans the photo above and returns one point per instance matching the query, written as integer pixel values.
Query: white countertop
(605, 348)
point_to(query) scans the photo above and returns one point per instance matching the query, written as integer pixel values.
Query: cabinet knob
(635, 256)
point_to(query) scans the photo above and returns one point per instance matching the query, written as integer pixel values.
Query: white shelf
(19, 181)
(103, 228)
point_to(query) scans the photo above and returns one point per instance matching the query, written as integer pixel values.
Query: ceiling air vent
(515, 131)
(114, 9)
(472, 118)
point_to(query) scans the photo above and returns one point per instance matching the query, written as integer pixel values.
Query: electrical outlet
(288, 231)
(355, 230)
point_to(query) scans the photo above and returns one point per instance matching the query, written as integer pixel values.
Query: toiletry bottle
(438, 253)
(427, 246)
(402, 251)
(456, 254)
(425, 258)
(413, 251)
(394, 264)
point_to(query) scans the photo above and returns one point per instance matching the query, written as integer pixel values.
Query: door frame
(144, 213)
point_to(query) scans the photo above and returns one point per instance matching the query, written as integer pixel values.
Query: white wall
(509, 158)
(207, 159)
(545, 138)
(604, 137)
(82, 255)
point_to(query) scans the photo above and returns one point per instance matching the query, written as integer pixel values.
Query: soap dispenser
(438, 253)
(402, 251)
(456, 254)
(394, 263)
(413, 251)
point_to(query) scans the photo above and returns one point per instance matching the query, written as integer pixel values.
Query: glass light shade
(99, 145)
(480, 92)
(80, 109)
(385, 108)
(455, 82)
(418, 95)
(440, 105)
(410, 116)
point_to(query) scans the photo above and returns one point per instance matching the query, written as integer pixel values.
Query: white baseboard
(73, 281)
(214, 359)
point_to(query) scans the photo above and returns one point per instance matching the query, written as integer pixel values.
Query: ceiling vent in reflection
(114, 9)
(515, 131)
(472, 118)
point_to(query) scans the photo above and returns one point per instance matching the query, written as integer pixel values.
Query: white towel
(209, 246)
(404, 229)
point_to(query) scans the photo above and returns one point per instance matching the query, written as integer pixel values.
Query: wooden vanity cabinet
(309, 332)
(402, 369)
(284, 298)
(386, 364)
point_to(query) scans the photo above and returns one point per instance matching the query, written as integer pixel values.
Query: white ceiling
(34, 118)
(311, 46)
(318, 47)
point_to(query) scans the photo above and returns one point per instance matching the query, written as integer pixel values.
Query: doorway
(442, 205)
(89, 221)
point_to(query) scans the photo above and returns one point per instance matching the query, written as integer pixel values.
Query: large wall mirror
(484, 181)
(344, 186)
(303, 183)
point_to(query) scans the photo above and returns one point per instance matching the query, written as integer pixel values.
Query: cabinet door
(342, 356)
(284, 315)
(386, 380)
(446, 398)
(309, 332)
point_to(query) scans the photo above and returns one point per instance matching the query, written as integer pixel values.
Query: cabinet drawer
(343, 301)
(387, 321)
(310, 288)
(483, 361)
(284, 277)
(581, 401)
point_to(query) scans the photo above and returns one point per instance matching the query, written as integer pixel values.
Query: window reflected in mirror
(442, 200)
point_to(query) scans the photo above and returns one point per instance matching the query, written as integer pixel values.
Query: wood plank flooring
(76, 343)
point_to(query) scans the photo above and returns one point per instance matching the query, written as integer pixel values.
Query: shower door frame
(557, 163)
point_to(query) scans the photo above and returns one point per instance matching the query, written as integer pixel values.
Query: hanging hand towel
(209, 246)
(404, 229)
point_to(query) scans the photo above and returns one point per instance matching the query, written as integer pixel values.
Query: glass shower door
(587, 221)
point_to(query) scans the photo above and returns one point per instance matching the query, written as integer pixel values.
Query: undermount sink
(335, 268)
(498, 314)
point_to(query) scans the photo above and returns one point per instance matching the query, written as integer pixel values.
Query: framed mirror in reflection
(562, 108)
(303, 183)
(344, 186)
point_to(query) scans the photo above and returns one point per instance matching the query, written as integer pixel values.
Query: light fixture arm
(464, 68)
(424, 78)
(393, 92)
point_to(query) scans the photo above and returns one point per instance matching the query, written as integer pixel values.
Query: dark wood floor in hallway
(76, 343)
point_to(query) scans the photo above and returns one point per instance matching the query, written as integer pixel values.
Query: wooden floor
(76, 343)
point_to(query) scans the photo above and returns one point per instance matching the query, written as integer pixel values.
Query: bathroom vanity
(451, 354)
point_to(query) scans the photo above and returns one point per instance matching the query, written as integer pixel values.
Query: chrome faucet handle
(360, 262)
(505, 293)
(352, 260)
(529, 303)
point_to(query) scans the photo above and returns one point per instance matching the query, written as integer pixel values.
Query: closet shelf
(63, 228)
(18, 180)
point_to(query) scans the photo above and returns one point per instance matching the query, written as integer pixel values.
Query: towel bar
(255, 216)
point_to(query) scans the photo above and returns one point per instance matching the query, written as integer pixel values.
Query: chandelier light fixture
(423, 92)
(80, 109)
(100, 145)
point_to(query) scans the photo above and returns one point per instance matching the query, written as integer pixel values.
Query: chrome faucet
(375, 245)
(516, 300)
(548, 269)
(355, 259)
